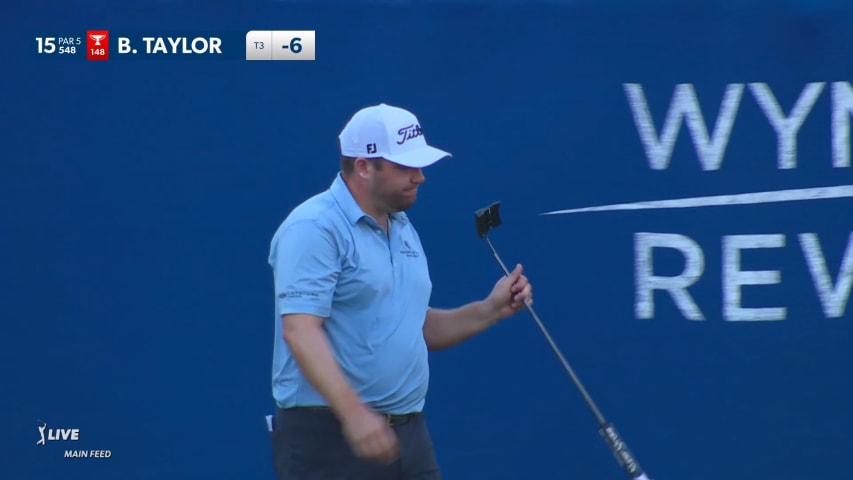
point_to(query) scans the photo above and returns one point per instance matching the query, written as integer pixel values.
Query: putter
(488, 218)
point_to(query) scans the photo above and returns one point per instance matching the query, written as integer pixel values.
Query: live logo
(63, 434)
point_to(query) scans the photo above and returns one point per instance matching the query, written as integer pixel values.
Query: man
(353, 321)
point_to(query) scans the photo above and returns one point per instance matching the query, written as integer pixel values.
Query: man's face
(394, 187)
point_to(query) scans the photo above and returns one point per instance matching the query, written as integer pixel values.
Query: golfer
(353, 321)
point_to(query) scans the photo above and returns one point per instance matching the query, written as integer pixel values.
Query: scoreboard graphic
(102, 45)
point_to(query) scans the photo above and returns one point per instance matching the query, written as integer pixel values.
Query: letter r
(647, 282)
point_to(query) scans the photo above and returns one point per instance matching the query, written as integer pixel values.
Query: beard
(399, 201)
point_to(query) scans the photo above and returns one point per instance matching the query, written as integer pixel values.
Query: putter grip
(621, 452)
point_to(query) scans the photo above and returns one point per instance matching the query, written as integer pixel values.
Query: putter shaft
(488, 218)
(590, 403)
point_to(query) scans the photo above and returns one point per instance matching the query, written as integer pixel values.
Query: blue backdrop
(139, 198)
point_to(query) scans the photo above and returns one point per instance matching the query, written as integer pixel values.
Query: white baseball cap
(388, 132)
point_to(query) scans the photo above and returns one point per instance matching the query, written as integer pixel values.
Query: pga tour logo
(56, 434)
(68, 434)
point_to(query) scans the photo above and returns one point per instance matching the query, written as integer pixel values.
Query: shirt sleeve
(306, 266)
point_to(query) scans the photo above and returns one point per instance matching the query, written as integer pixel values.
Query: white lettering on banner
(842, 108)
(734, 277)
(787, 122)
(833, 299)
(685, 105)
(833, 296)
(786, 127)
(647, 282)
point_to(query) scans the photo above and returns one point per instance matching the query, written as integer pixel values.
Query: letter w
(684, 104)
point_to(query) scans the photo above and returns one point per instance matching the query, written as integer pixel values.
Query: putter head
(487, 218)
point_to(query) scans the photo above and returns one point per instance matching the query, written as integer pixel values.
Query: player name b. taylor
(173, 46)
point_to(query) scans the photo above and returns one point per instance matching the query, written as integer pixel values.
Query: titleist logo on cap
(409, 132)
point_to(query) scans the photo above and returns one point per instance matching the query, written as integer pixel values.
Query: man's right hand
(370, 436)
(366, 431)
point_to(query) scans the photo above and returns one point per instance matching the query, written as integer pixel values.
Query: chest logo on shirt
(407, 250)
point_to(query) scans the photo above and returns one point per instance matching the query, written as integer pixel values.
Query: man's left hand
(509, 294)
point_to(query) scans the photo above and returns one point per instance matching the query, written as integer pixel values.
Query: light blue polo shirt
(331, 260)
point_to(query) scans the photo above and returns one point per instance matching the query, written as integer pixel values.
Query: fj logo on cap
(371, 148)
(409, 132)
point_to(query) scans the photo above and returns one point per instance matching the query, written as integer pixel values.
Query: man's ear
(362, 167)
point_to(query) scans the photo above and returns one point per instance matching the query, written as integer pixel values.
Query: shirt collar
(350, 207)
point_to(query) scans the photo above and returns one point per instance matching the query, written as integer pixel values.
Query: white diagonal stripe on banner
(817, 193)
